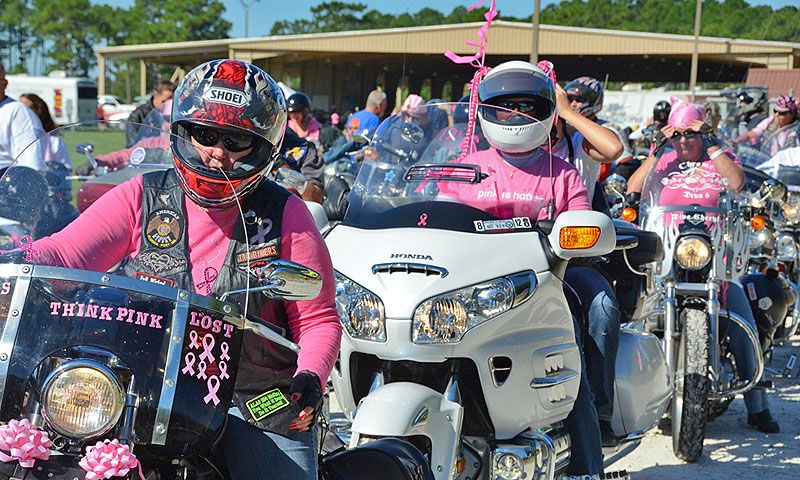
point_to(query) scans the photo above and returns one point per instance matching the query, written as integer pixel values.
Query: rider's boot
(763, 422)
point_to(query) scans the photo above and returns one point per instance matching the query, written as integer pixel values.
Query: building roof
(505, 38)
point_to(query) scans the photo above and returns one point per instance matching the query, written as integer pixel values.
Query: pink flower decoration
(108, 459)
(23, 442)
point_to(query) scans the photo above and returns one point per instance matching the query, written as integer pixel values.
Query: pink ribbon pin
(209, 276)
(213, 388)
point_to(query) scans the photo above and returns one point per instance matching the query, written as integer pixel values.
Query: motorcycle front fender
(406, 409)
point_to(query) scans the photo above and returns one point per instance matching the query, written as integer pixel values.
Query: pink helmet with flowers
(786, 103)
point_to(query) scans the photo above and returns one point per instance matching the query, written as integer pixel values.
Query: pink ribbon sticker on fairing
(224, 349)
(189, 368)
(195, 339)
(208, 348)
(423, 220)
(213, 388)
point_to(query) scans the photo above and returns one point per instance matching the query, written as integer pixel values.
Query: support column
(101, 74)
(142, 78)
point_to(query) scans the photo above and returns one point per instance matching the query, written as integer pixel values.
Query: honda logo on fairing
(411, 256)
(226, 96)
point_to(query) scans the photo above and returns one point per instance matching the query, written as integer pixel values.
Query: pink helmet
(786, 103)
(684, 113)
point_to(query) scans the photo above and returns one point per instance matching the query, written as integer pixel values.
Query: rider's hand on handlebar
(307, 391)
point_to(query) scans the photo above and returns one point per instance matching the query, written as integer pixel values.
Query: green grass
(104, 141)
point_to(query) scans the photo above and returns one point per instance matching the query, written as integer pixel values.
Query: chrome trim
(524, 285)
(176, 336)
(22, 282)
(756, 345)
(548, 445)
(561, 376)
(71, 365)
(712, 309)
(695, 288)
(409, 267)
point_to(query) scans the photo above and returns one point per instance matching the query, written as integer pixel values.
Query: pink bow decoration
(108, 459)
(21, 441)
(478, 57)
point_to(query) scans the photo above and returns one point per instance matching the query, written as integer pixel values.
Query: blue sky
(264, 13)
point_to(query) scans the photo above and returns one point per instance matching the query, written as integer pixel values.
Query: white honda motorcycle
(458, 336)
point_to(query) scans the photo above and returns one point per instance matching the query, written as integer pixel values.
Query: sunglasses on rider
(687, 133)
(577, 98)
(781, 113)
(522, 106)
(232, 141)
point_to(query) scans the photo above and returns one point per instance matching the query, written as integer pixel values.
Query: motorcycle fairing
(157, 336)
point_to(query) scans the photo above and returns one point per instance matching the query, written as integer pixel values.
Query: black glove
(708, 136)
(659, 141)
(306, 390)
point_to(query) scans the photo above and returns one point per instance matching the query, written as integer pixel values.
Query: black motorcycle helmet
(23, 193)
(461, 113)
(298, 102)
(661, 112)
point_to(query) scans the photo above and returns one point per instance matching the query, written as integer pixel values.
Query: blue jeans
(253, 454)
(755, 399)
(583, 426)
(599, 306)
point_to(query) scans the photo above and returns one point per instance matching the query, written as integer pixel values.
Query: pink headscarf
(684, 113)
(413, 101)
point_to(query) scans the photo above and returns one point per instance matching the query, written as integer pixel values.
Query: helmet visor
(516, 84)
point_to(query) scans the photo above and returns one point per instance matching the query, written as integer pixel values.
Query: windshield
(420, 171)
(126, 231)
(770, 144)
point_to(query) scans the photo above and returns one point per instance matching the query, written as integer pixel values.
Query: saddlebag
(395, 460)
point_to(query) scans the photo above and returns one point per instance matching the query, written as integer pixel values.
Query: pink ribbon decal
(208, 348)
(224, 349)
(189, 368)
(213, 388)
(20, 441)
(223, 370)
(209, 276)
(26, 244)
(423, 220)
(194, 339)
(201, 370)
(109, 459)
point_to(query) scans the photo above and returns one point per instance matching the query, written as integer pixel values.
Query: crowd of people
(221, 153)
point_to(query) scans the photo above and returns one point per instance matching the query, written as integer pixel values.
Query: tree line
(61, 34)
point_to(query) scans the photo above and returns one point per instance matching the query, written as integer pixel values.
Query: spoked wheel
(692, 387)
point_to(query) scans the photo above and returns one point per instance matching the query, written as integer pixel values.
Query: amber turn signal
(629, 214)
(758, 222)
(578, 238)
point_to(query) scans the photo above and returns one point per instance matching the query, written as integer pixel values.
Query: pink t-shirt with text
(111, 230)
(510, 192)
(311, 132)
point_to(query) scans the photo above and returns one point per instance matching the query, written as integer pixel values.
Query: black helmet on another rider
(751, 101)
(298, 102)
(585, 94)
(661, 112)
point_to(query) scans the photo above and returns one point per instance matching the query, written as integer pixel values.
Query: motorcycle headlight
(791, 211)
(760, 238)
(692, 253)
(360, 311)
(617, 184)
(446, 318)
(82, 400)
(785, 247)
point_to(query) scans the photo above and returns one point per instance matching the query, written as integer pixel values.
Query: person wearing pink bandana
(699, 170)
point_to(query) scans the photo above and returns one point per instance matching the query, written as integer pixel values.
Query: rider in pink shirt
(212, 224)
(300, 120)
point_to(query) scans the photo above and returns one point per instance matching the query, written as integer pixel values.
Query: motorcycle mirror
(285, 280)
(84, 148)
(773, 190)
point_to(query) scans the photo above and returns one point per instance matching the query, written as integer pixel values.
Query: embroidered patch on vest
(164, 228)
(266, 404)
(154, 279)
(160, 262)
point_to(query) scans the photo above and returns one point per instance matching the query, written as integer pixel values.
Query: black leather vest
(163, 258)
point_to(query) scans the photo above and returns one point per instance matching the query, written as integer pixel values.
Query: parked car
(113, 108)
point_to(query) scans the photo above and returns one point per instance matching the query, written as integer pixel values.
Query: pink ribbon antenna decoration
(477, 61)
(108, 459)
(20, 441)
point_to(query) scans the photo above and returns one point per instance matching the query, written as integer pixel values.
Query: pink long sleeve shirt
(111, 230)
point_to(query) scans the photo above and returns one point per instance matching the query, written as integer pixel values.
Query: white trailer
(70, 99)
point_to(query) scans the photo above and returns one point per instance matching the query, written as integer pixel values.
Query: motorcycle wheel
(689, 407)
